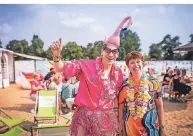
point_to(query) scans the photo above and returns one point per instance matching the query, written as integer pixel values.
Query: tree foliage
(155, 51)
(72, 51)
(129, 40)
(36, 47)
(128, 43)
(168, 44)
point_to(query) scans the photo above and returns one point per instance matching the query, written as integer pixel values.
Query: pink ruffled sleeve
(71, 68)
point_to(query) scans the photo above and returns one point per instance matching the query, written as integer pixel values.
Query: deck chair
(16, 131)
(46, 108)
(12, 125)
(51, 129)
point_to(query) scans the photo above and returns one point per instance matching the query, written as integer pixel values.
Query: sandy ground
(178, 116)
(15, 102)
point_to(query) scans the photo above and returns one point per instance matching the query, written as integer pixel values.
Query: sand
(16, 103)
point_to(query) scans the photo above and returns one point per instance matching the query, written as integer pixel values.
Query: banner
(161, 66)
(47, 101)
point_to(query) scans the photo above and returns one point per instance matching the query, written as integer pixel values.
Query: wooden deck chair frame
(10, 127)
(35, 129)
(38, 119)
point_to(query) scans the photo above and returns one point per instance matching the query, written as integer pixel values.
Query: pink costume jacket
(94, 92)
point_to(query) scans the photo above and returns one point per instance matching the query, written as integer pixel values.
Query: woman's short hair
(133, 55)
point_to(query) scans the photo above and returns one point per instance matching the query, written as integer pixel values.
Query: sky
(89, 23)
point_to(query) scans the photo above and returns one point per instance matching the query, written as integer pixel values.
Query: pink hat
(114, 38)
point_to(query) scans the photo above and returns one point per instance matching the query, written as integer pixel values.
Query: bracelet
(56, 58)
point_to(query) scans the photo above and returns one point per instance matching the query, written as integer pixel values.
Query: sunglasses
(107, 50)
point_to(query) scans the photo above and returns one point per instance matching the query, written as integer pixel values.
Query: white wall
(24, 66)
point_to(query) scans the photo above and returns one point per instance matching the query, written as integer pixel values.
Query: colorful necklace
(138, 98)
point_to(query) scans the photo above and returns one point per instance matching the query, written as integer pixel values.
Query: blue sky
(89, 23)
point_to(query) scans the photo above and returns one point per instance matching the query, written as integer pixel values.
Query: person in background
(50, 74)
(76, 86)
(165, 83)
(140, 101)
(100, 80)
(179, 86)
(67, 96)
(57, 85)
(168, 69)
(36, 85)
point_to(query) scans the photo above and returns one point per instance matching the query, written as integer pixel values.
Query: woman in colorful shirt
(100, 80)
(141, 110)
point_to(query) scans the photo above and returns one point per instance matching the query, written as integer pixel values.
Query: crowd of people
(66, 88)
(175, 83)
(97, 86)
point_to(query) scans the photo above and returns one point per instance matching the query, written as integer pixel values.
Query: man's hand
(56, 48)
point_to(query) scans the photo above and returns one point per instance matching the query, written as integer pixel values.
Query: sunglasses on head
(107, 50)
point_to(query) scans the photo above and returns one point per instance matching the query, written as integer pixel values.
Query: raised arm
(68, 68)
(56, 48)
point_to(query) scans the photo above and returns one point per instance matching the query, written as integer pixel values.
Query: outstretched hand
(56, 47)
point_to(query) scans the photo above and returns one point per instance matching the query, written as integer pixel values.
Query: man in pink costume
(99, 84)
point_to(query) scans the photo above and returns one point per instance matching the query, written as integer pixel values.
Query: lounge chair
(46, 108)
(11, 126)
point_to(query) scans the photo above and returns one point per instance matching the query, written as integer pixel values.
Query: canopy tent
(187, 47)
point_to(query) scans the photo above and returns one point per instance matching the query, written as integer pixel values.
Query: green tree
(88, 50)
(96, 50)
(36, 48)
(155, 51)
(11, 44)
(85, 53)
(129, 43)
(122, 53)
(168, 44)
(18, 46)
(72, 51)
(25, 46)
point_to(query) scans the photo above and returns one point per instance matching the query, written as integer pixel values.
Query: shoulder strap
(123, 85)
